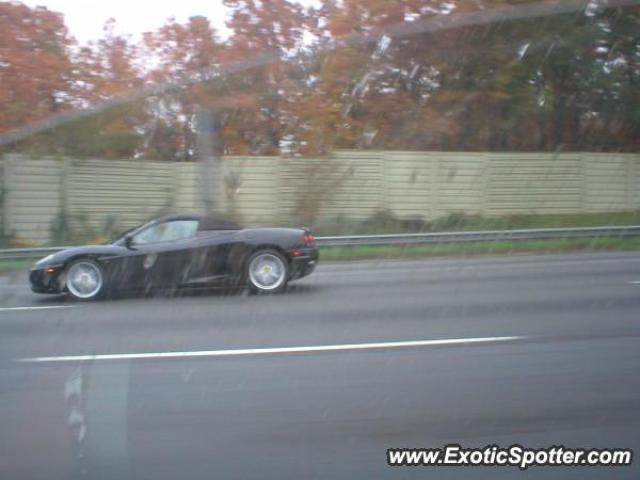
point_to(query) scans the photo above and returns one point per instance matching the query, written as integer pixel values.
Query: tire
(85, 280)
(267, 272)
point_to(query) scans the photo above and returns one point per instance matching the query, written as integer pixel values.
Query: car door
(160, 254)
(208, 257)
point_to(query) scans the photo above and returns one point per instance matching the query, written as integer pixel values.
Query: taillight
(308, 239)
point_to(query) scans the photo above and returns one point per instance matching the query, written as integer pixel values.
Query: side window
(167, 232)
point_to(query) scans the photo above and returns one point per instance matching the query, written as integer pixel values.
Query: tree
(102, 70)
(565, 81)
(35, 68)
(275, 27)
(190, 51)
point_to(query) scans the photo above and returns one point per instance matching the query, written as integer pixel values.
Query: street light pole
(208, 144)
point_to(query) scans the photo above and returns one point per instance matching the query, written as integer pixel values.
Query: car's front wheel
(267, 272)
(85, 280)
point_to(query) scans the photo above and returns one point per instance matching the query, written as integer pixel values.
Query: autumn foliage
(566, 81)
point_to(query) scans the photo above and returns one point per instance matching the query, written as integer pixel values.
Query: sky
(85, 18)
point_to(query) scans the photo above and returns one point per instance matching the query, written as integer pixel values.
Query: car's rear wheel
(267, 272)
(84, 280)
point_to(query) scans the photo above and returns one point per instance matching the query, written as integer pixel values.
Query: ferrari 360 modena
(180, 251)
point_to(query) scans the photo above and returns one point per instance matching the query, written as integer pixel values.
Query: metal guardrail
(414, 238)
(17, 253)
(486, 235)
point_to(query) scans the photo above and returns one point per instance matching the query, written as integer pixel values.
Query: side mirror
(128, 242)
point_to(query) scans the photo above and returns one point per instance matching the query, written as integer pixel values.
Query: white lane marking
(267, 351)
(634, 282)
(47, 307)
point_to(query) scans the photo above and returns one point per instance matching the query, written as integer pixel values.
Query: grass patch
(478, 248)
(17, 264)
(384, 222)
(514, 222)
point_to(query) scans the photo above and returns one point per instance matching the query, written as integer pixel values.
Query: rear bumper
(305, 264)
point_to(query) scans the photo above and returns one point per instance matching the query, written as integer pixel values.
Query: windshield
(441, 261)
(122, 235)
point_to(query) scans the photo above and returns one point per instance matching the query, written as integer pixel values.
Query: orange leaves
(182, 49)
(340, 74)
(36, 70)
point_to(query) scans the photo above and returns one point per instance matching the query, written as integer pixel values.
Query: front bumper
(45, 279)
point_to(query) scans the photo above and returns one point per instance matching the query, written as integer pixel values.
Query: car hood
(62, 256)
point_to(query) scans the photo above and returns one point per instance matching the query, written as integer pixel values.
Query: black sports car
(178, 251)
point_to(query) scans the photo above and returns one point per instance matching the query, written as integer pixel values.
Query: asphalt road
(570, 376)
